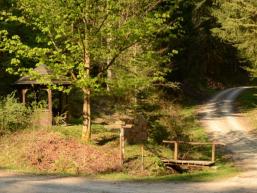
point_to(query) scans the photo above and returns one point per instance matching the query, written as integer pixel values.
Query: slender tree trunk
(109, 71)
(109, 77)
(86, 131)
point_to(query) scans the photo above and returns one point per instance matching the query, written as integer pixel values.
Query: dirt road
(222, 125)
(227, 127)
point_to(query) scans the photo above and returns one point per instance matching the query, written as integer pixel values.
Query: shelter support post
(50, 104)
(23, 95)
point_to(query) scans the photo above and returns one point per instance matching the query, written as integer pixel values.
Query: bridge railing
(176, 147)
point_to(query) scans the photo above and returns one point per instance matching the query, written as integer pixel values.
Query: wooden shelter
(26, 83)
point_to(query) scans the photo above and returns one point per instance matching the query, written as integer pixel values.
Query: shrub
(168, 121)
(13, 115)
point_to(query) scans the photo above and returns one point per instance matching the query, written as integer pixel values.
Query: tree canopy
(85, 39)
(238, 25)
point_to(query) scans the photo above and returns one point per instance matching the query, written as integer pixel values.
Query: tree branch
(153, 6)
(115, 57)
(102, 23)
(73, 75)
(52, 40)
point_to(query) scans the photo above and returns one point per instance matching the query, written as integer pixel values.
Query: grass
(223, 168)
(247, 101)
(74, 131)
(11, 157)
(194, 130)
(154, 170)
(12, 153)
(247, 104)
(221, 171)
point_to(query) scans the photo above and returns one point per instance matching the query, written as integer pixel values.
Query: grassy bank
(60, 151)
(247, 105)
(219, 172)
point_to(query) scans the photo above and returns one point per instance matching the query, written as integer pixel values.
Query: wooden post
(213, 153)
(23, 95)
(175, 150)
(50, 104)
(122, 146)
(142, 157)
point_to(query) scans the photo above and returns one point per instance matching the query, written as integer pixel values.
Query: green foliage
(247, 105)
(169, 120)
(238, 25)
(95, 33)
(247, 101)
(86, 40)
(14, 115)
(201, 58)
(180, 126)
(157, 132)
(60, 119)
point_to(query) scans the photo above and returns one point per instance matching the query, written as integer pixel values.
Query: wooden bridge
(169, 163)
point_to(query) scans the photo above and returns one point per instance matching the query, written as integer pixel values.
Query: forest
(141, 62)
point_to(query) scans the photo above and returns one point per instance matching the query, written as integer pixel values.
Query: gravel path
(221, 124)
(224, 126)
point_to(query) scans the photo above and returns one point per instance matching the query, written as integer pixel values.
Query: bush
(13, 115)
(168, 121)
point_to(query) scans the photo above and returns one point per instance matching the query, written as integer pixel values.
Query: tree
(9, 23)
(203, 59)
(85, 38)
(238, 25)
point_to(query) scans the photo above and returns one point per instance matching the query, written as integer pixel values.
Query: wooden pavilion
(27, 83)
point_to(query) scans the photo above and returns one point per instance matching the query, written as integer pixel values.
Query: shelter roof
(41, 70)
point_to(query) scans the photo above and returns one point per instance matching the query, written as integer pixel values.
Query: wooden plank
(188, 162)
(113, 126)
(127, 126)
(200, 163)
(118, 126)
(119, 122)
(193, 143)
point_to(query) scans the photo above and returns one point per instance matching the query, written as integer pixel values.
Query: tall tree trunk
(86, 131)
